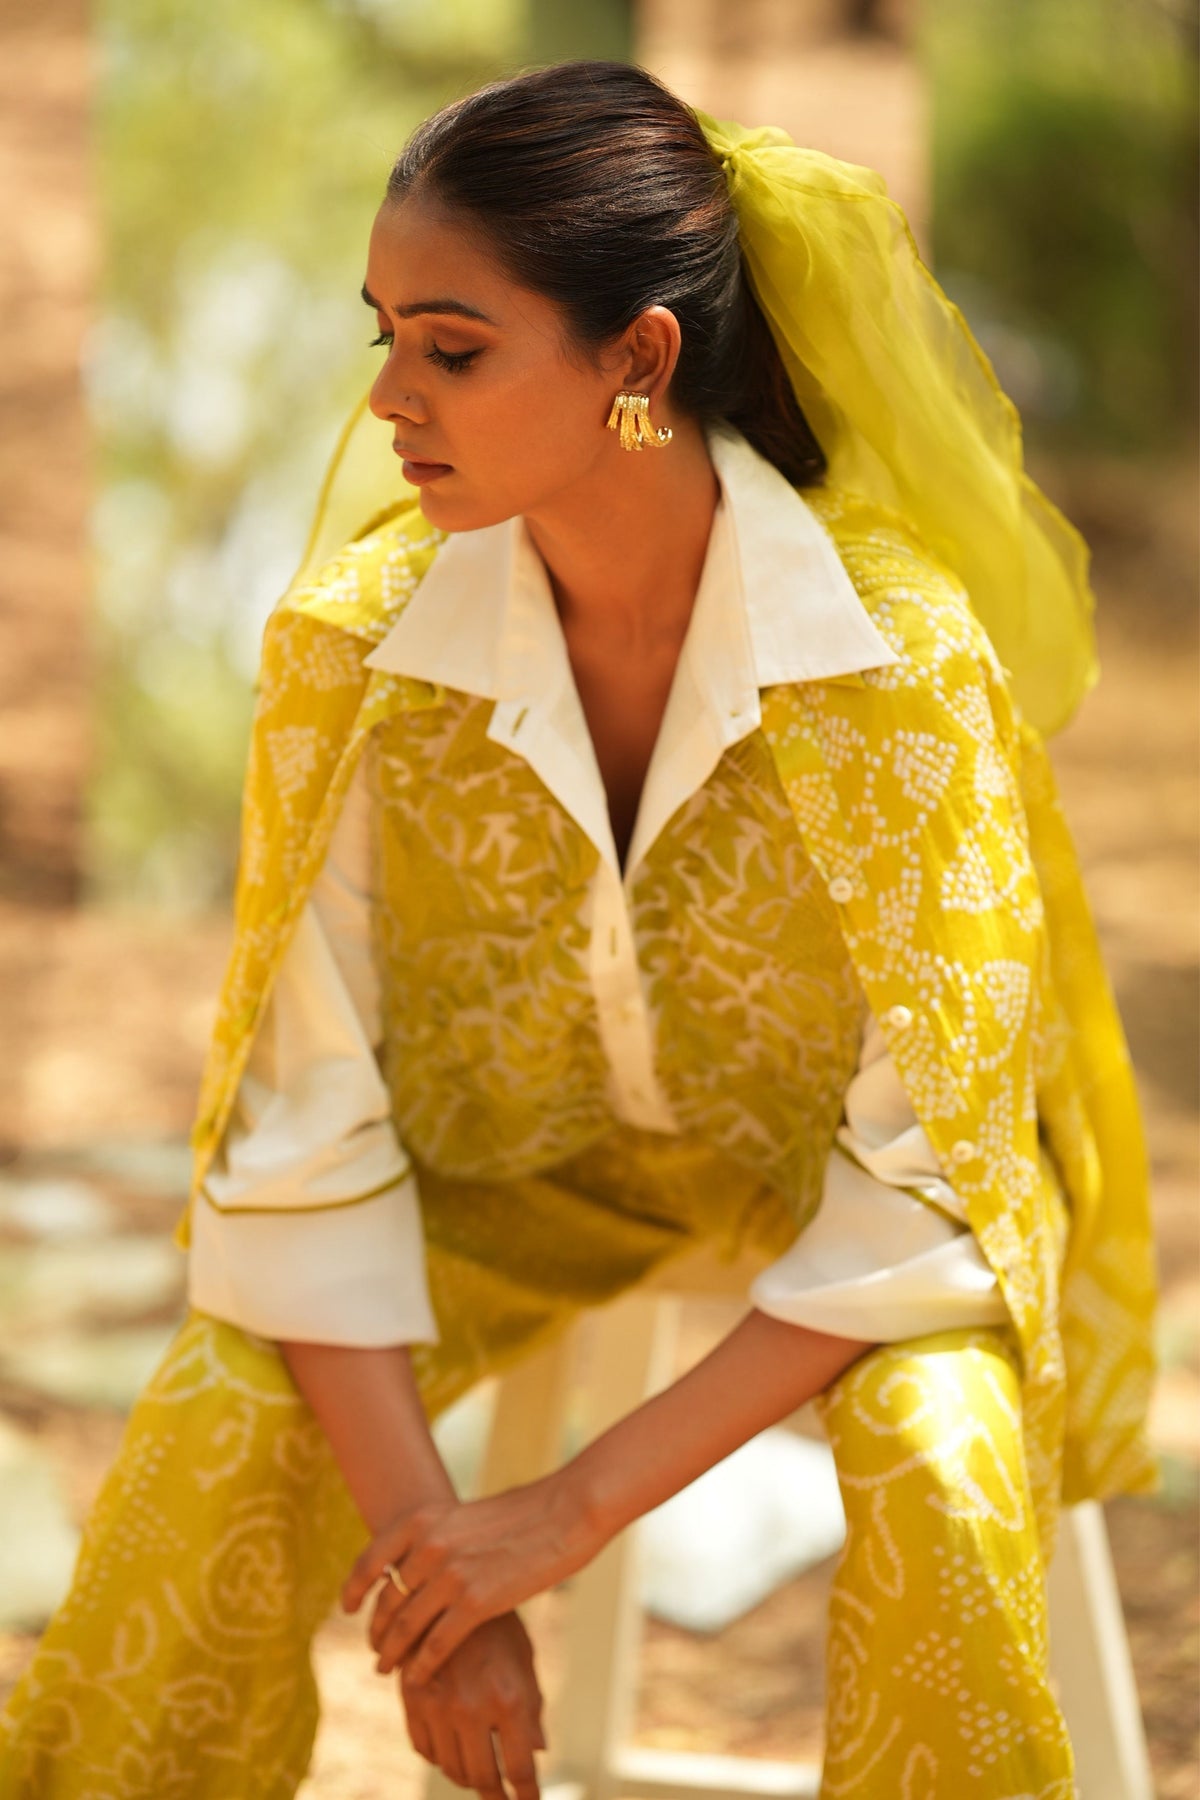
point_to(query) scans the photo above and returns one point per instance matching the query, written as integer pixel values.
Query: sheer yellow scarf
(905, 404)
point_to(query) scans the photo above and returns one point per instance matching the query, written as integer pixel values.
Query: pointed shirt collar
(774, 604)
(465, 625)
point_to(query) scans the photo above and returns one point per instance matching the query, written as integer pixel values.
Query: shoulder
(948, 684)
(317, 636)
(363, 588)
(916, 601)
(319, 632)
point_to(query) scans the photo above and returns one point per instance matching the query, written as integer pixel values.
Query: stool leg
(1090, 1662)
(525, 1438)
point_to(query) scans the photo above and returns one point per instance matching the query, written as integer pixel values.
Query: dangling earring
(631, 416)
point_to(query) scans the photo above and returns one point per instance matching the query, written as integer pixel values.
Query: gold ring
(394, 1576)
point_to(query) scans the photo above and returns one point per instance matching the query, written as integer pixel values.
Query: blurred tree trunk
(561, 30)
(47, 271)
(1187, 285)
(863, 17)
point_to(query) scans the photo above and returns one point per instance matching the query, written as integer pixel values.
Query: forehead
(417, 251)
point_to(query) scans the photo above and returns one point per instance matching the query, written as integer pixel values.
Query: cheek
(517, 434)
(529, 433)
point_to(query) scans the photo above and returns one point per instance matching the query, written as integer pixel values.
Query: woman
(643, 843)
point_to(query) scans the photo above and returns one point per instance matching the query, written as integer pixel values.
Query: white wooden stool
(628, 1353)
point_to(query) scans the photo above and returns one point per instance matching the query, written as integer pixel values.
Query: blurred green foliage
(1065, 163)
(243, 151)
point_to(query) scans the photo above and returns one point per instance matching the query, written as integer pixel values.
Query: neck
(624, 553)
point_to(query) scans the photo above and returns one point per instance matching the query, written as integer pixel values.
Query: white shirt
(309, 1225)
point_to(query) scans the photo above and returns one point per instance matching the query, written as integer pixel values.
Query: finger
(419, 1732)
(388, 1601)
(389, 1546)
(442, 1640)
(405, 1628)
(479, 1761)
(517, 1741)
(389, 1605)
(446, 1751)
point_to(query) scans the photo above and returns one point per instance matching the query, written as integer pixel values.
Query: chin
(446, 513)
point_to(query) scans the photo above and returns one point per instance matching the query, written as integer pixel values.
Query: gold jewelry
(394, 1576)
(631, 416)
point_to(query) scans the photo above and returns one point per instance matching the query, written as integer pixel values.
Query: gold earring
(631, 416)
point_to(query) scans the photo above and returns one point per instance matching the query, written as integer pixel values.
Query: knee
(226, 1477)
(933, 1422)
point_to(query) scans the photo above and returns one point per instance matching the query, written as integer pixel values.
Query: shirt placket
(625, 1025)
(713, 703)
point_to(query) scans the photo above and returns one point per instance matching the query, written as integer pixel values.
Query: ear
(651, 351)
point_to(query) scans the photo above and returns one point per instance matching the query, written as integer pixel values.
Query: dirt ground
(105, 1017)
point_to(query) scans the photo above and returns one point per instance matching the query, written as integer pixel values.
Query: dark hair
(595, 186)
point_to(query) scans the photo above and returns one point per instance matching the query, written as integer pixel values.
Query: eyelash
(455, 362)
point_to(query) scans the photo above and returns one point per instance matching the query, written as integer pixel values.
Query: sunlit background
(1042, 150)
(189, 189)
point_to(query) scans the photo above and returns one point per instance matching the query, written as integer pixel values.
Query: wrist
(596, 1496)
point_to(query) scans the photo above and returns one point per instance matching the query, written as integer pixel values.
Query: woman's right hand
(487, 1685)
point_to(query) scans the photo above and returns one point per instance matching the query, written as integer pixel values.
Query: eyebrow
(416, 308)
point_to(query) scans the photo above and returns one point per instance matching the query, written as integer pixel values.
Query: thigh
(936, 1662)
(223, 1529)
(178, 1665)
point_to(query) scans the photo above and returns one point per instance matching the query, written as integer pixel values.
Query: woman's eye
(455, 361)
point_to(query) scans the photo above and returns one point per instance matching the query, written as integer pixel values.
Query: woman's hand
(463, 1563)
(486, 1686)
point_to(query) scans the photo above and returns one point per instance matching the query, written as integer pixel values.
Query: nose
(390, 400)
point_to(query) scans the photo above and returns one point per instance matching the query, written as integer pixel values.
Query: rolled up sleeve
(309, 1226)
(890, 1253)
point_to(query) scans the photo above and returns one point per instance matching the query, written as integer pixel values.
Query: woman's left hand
(464, 1562)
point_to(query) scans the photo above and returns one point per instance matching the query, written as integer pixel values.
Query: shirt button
(841, 888)
(963, 1151)
(899, 1016)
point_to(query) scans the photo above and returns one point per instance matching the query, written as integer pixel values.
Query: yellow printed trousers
(179, 1665)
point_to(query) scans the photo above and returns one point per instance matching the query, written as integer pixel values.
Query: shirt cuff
(353, 1275)
(880, 1265)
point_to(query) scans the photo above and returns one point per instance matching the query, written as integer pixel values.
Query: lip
(419, 469)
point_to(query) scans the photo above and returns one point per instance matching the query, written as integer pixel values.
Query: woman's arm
(367, 1404)
(755, 1377)
(369, 1407)
(309, 1226)
(465, 1563)
(307, 1248)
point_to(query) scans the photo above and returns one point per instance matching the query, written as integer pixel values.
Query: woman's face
(490, 415)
